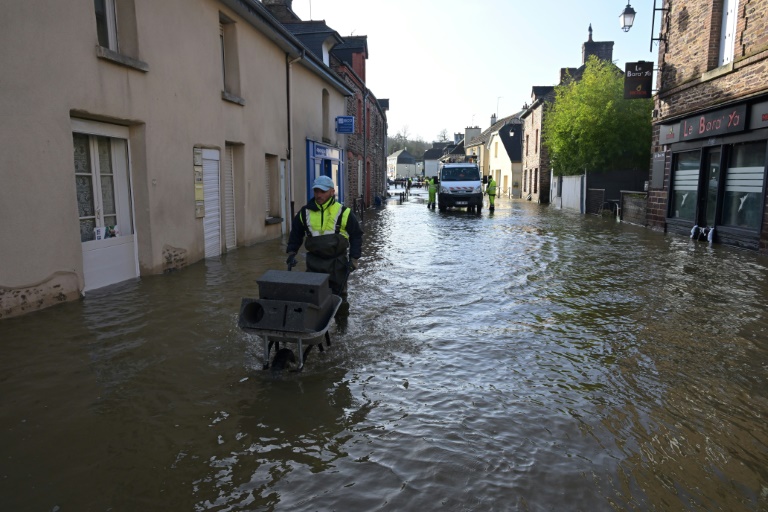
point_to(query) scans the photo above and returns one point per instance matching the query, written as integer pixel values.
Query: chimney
(281, 9)
(493, 119)
(603, 50)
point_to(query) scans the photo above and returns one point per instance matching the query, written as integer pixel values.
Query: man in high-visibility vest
(332, 236)
(432, 184)
(491, 191)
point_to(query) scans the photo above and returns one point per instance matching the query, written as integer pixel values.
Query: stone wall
(633, 208)
(690, 77)
(369, 146)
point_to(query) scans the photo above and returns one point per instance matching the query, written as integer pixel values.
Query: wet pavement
(529, 359)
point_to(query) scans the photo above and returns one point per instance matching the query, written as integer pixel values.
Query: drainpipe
(289, 63)
(365, 141)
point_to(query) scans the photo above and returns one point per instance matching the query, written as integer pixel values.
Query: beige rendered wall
(307, 112)
(51, 74)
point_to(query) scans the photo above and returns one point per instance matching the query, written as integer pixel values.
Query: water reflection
(529, 360)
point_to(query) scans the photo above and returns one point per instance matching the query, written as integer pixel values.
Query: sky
(449, 64)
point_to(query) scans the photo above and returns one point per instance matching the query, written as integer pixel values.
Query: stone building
(366, 146)
(536, 169)
(498, 151)
(537, 175)
(710, 128)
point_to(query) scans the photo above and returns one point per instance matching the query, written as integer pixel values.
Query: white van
(460, 186)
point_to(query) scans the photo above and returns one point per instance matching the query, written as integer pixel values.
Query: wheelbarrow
(293, 307)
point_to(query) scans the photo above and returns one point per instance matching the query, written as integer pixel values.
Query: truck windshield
(460, 174)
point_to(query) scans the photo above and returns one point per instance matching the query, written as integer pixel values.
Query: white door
(211, 198)
(104, 203)
(229, 199)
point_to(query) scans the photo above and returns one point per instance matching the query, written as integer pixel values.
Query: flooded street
(529, 359)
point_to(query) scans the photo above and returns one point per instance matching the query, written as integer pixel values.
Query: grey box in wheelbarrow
(288, 302)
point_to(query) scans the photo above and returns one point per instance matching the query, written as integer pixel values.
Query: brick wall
(370, 149)
(690, 79)
(535, 157)
(633, 208)
(656, 206)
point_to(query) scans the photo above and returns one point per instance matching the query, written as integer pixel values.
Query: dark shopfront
(718, 174)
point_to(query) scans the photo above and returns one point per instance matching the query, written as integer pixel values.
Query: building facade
(536, 173)
(173, 132)
(710, 138)
(365, 146)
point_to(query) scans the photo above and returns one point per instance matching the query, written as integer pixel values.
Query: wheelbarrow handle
(291, 261)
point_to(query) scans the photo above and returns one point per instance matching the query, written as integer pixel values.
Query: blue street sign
(345, 124)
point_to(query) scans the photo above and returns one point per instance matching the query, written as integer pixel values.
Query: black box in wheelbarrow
(285, 316)
(309, 287)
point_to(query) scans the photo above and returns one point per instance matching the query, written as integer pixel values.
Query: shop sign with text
(638, 80)
(719, 122)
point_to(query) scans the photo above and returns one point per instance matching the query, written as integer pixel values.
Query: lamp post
(627, 18)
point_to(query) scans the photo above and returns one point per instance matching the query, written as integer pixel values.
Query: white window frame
(111, 15)
(124, 209)
(728, 31)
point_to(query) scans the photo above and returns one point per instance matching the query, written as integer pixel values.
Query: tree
(590, 126)
(442, 136)
(416, 147)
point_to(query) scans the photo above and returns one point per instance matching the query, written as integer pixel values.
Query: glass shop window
(685, 185)
(744, 179)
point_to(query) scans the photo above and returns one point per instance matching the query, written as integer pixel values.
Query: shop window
(744, 179)
(685, 185)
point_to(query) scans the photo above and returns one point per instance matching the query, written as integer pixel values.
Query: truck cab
(460, 187)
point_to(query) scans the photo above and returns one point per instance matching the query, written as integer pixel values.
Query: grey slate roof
(433, 153)
(403, 157)
(486, 134)
(349, 46)
(313, 34)
(513, 144)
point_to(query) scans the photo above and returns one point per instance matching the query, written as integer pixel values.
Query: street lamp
(627, 18)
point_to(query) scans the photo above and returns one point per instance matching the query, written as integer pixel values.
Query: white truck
(460, 186)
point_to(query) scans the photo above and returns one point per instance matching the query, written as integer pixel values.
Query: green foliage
(592, 127)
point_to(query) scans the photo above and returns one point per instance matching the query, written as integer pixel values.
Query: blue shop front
(324, 160)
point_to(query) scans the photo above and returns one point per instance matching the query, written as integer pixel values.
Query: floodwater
(530, 360)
